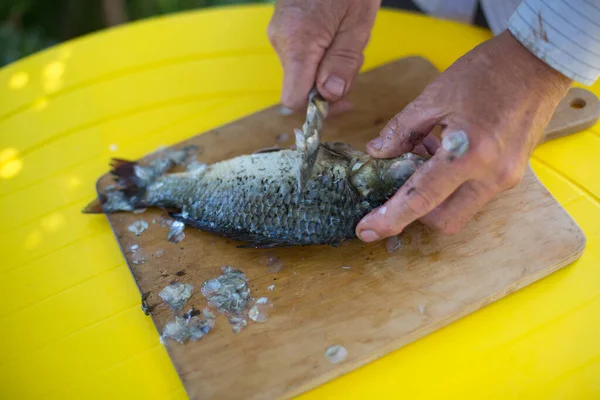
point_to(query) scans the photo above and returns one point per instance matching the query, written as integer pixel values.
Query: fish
(257, 198)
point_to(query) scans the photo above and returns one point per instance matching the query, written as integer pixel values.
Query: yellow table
(70, 319)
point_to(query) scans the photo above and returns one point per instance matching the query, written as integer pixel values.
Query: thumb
(404, 132)
(341, 64)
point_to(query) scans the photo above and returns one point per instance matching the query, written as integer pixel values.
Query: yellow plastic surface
(71, 326)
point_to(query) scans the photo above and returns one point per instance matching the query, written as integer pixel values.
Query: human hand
(320, 42)
(493, 105)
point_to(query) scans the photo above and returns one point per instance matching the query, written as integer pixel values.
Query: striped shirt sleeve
(563, 33)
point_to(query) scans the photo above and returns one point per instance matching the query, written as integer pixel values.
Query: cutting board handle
(577, 111)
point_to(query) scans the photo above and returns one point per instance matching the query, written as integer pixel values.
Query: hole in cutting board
(578, 103)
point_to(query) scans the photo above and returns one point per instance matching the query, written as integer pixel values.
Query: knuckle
(349, 58)
(443, 225)
(388, 228)
(510, 176)
(487, 151)
(441, 221)
(435, 223)
(272, 33)
(393, 127)
(301, 52)
(419, 201)
(451, 228)
(295, 54)
(415, 106)
(417, 112)
(396, 122)
(290, 33)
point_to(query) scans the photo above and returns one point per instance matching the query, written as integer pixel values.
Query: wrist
(532, 71)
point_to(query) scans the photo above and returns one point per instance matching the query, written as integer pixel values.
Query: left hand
(499, 97)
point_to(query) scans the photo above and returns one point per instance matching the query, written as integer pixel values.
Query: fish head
(376, 180)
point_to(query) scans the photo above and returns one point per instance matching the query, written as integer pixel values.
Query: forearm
(564, 34)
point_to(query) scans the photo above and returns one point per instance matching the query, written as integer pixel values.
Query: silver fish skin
(256, 198)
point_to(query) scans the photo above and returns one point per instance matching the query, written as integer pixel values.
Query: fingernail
(369, 236)
(335, 86)
(377, 144)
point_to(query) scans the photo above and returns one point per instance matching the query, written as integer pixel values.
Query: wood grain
(379, 304)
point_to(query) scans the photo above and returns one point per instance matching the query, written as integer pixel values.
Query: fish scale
(284, 214)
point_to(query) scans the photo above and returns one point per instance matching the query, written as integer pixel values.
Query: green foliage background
(27, 26)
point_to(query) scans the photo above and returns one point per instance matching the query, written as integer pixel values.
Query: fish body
(257, 198)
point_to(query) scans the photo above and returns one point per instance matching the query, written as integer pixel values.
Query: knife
(309, 139)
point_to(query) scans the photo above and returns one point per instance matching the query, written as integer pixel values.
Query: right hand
(320, 42)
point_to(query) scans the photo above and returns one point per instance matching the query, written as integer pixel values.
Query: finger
(428, 147)
(300, 49)
(456, 211)
(300, 69)
(431, 143)
(427, 188)
(341, 64)
(404, 131)
(422, 151)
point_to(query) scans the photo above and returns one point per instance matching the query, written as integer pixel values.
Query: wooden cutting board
(381, 301)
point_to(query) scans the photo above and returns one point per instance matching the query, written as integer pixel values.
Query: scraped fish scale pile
(186, 329)
(229, 293)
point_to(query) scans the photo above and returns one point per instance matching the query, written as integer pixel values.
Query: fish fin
(300, 140)
(133, 179)
(122, 167)
(124, 171)
(125, 195)
(342, 150)
(270, 245)
(133, 176)
(268, 150)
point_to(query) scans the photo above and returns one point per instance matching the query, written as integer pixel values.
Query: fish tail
(126, 195)
(124, 171)
(134, 181)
